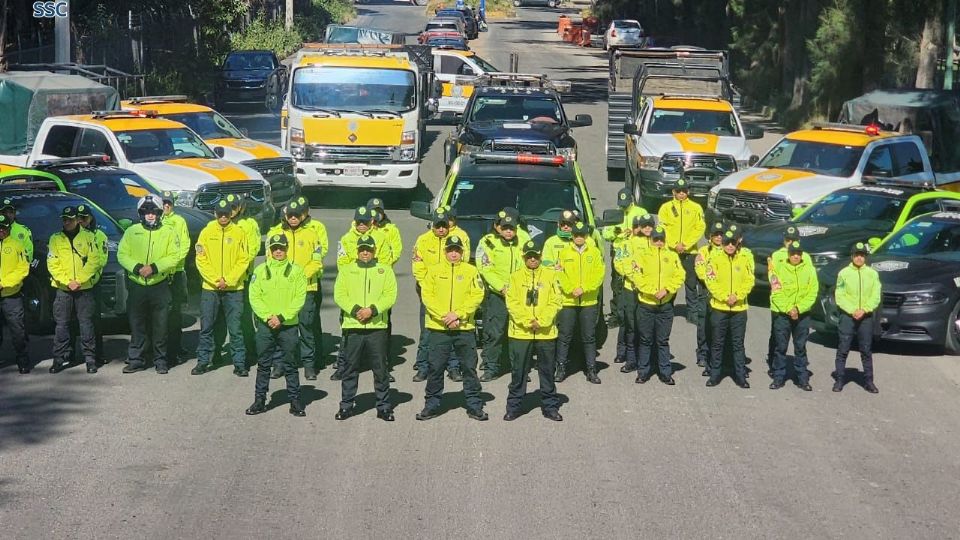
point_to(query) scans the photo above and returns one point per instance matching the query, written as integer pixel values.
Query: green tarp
(28, 97)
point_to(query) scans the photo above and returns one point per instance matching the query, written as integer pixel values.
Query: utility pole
(288, 16)
(61, 34)
(948, 40)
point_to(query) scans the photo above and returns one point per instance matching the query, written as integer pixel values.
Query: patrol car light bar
(89, 160)
(523, 159)
(351, 48)
(871, 129)
(106, 115)
(29, 185)
(159, 99)
(925, 185)
(527, 80)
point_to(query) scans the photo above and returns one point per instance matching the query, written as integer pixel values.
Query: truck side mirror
(753, 132)
(753, 160)
(420, 209)
(631, 129)
(219, 151)
(582, 120)
(612, 217)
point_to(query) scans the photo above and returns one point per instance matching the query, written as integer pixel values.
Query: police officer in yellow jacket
(580, 276)
(14, 268)
(683, 220)
(533, 300)
(656, 275)
(498, 257)
(222, 260)
(714, 243)
(616, 235)
(252, 228)
(73, 261)
(309, 222)
(391, 250)
(305, 249)
(791, 300)
(277, 291)
(564, 235)
(857, 296)
(89, 222)
(428, 251)
(178, 285)
(452, 293)
(18, 230)
(729, 278)
(640, 240)
(365, 291)
(149, 253)
(779, 257)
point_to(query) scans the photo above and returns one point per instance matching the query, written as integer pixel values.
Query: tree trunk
(930, 46)
(288, 16)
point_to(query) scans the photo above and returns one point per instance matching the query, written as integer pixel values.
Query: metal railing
(126, 84)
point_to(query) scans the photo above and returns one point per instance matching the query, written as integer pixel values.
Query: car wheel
(516, 3)
(951, 342)
(552, 4)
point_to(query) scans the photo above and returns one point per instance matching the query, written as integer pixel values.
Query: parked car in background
(451, 43)
(444, 25)
(525, 3)
(245, 77)
(624, 33)
(471, 23)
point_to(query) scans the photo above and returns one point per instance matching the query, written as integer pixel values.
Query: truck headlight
(712, 199)
(408, 154)
(408, 146)
(185, 198)
(924, 299)
(651, 163)
(823, 259)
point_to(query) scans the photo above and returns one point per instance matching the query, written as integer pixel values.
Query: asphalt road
(147, 456)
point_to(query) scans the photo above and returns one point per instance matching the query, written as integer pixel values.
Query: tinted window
(147, 145)
(59, 141)
(535, 199)
(931, 239)
(92, 141)
(209, 125)
(517, 108)
(239, 61)
(450, 64)
(855, 208)
(689, 121)
(41, 214)
(110, 191)
(821, 158)
(907, 159)
(880, 162)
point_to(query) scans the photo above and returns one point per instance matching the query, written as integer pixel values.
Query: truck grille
(701, 171)
(349, 154)
(520, 147)
(254, 193)
(891, 300)
(767, 208)
(245, 84)
(278, 172)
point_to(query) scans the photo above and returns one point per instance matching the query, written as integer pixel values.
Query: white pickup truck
(808, 164)
(166, 153)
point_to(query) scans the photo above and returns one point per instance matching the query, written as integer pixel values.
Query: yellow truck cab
(166, 153)
(354, 114)
(273, 163)
(808, 164)
(457, 72)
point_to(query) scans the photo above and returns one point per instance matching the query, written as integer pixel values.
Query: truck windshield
(209, 125)
(145, 145)
(351, 88)
(720, 123)
(820, 158)
(855, 209)
(927, 238)
(535, 199)
(516, 108)
(248, 60)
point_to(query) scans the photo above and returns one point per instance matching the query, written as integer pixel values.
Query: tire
(516, 3)
(552, 4)
(951, 340)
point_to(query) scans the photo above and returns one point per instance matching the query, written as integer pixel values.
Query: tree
(3, 35)
(931, 42)
(288, 16)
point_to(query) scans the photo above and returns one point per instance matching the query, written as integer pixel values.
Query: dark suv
(247, 77)
(511, 112)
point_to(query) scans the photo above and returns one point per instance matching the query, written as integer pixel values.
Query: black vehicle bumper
(924, 324)
(229, 96)
(656, 189)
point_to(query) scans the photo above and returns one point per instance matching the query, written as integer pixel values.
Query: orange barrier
(573, 35)
(562, 24)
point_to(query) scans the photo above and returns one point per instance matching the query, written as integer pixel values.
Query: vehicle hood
(245, 74)
(239, 150)
(901, 274)
(765, 239)
(190, 174)
(353, 131)
(660, 144)
(802, 187)
(476, 133)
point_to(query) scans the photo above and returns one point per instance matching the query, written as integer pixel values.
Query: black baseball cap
(568, 216)
(167, 197)
(363, 215)
(624, 198)
(860, 247)
(83, 210)
(659, 233)
(223, 208)
(580, 228)
(440, 217)
(531, 248)
(7, 203)
(644, 220)
(277, 240)
(507, 221)
(453, 242)
(729, 237)
(791, 233)
(681, 185)
(292, 209)
(715, 229)
(69, 212)
(366, 241)
(794, 248)
(375, 203)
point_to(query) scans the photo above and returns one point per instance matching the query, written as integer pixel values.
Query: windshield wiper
(328, 112)
(361, 113)
(385, 111)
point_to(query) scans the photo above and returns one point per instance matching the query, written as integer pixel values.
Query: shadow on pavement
(368, 402)
(31, 415)
(308, 395)
(455, 400)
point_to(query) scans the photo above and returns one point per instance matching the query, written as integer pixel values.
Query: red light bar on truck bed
(523, 159)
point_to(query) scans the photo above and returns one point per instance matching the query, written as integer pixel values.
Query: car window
(924, 207)
(535, 199)
(626, 24)
(42, 215)
(848, 207)
(516, 108)
(907, 158)
(209, 125)
(142, 146)
(92, 141)
(692, 121)
(110, 191)
(821, 158)
(926, 238)
(451, 65)
(880, 162)
(60, 141)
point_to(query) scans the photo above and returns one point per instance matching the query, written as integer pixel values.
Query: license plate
(456, 102)
(353, 171)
